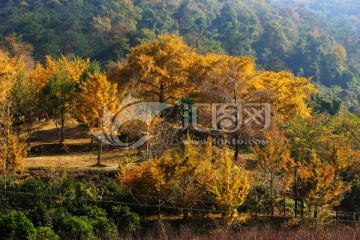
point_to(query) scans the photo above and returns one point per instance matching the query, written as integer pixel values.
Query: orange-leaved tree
(320, 186)
(12, 149)
(230, 185)
(97, 96)
(193, 175)
(274, 163)
(150, 183)
(159, 70)
(56, 83)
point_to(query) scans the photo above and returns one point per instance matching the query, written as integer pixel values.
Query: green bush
(125, 220)
(15, 225)
(77, 228)
(102, 226)
(46, 233)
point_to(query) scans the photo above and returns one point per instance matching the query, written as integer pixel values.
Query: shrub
(77, 228)
(15, 225)
(46, 233)
(125, 220)
(102, 226)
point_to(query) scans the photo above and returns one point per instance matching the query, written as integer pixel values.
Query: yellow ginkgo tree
(230, 185)
(12, 149)
(159, 70)
(320, 186)
(274, 163)
(56, 85)
(97, 95)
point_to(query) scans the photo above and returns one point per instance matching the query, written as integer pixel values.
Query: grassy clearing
(77, 152)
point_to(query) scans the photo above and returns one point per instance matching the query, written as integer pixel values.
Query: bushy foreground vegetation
(62, 208)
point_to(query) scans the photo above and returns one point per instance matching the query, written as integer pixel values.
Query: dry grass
(46, 133)
(74, 161)
(164, 232)
(76, 137)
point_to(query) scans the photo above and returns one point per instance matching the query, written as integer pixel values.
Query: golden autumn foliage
(194, 173)
(55, 83)
(97, 96)
(274, 156)
(18, 49)
(190, 176)
(73, 69)
(185, 179)
(230, 79)
(12, 150)
(9, 69)
(275, 166)
(160, 70)
(230, 185)
(339, 154)
(12, 154)
(322, 188)
(171, 177)
(97, 93)
(167, 69)
(288, 94)
(149, 182)
(222, 78)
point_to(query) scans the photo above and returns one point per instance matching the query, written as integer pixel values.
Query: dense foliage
(62, 208)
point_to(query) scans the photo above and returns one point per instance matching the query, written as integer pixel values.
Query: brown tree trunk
(161, 93)
(284, 205)
(302, 206)
(236, 153)
(316, 212)
(271, 194)
(185, 214)
(62, 139)
(99, 152)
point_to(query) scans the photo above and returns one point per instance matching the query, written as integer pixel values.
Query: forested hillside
(317, 39)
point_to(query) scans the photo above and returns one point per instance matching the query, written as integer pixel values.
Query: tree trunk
(302, 207)
(139, 153)
(236, 153)
(145, 211)
(257, 204)
(29, 130)
(296, 193)
(271, 194)
(62, 129)
(185, 214)
(284, 205)
(99, 152)
(161, 93)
